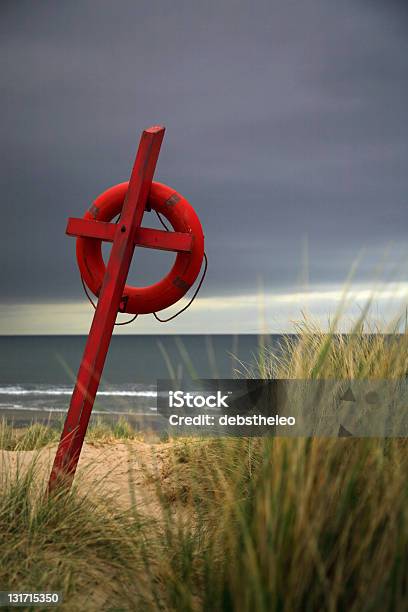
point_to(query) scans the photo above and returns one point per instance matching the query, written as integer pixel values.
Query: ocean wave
(55, 391)
(64, 410)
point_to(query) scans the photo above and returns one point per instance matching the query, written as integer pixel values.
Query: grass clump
(103, 431)
(26, 439)
(365, 351)
(66, 543)
(37, 435)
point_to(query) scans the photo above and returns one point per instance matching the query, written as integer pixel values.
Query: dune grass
(25, 439)
(364, 351)
(272, 524)
(37, 435)
(244, 524)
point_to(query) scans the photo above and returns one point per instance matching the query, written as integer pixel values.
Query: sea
(37, 373)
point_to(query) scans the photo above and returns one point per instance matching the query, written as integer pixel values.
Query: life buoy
(180, 214)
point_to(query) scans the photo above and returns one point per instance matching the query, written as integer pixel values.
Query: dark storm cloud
(285, 120)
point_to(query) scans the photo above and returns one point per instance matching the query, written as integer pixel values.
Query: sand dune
(126, 471)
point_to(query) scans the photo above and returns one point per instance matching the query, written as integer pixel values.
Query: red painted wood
(150, 238)
(144, 237)
(69, 449)
(91, 229)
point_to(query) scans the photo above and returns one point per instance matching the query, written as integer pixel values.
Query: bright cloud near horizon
(286, 126)
(256, 314)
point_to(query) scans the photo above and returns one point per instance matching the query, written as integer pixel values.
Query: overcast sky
(286, 129)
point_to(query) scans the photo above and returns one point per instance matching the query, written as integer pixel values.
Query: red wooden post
(89, 374)
(144, 236)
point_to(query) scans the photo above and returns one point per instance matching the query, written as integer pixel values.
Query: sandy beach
(127, 472)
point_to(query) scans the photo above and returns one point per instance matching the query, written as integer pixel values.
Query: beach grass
(264, 524)
(29, 438)
(38, 435)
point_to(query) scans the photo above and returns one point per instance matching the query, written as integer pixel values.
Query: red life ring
(182, 217)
